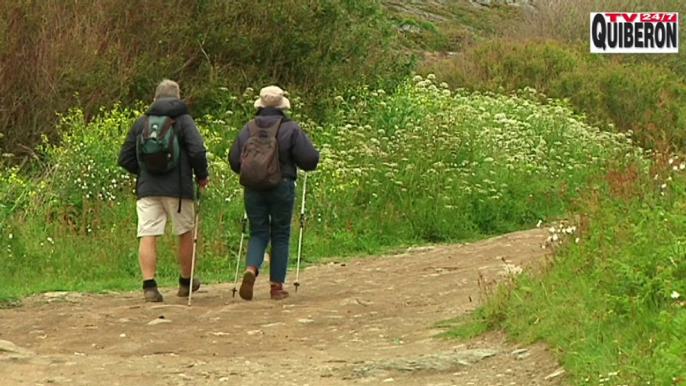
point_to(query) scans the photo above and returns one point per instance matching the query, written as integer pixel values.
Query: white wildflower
(675, 295)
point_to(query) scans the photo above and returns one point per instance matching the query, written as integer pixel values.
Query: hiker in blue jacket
(270, 211)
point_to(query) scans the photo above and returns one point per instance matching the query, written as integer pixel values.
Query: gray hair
(167, 89)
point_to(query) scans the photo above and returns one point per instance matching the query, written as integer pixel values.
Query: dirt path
(365, 321)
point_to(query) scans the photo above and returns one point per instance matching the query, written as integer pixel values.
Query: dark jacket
(295, 148)
(177, 182)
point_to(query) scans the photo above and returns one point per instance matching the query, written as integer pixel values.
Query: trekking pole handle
(244, 222)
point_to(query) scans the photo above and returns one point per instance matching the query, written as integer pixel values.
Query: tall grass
(612, 303)
(642, 98)
(421, 164)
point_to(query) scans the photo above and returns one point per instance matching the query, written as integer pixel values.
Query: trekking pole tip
(234, 292)
(296, 285)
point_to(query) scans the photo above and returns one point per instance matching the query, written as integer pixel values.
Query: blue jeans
(269, 215)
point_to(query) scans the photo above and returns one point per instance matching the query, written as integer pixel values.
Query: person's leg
(147, 256)
(281, 210)
(151, 223)
(183, 227)
(258, 219)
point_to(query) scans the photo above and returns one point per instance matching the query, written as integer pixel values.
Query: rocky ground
(362, 321)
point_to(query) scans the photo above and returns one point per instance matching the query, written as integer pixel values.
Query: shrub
(568, 22)
(642, 98)
(59, 54)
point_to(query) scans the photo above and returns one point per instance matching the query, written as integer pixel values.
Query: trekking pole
(244, 223)
(195, 243)
(300, 238)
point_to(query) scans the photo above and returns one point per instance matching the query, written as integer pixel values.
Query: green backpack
(157, 147)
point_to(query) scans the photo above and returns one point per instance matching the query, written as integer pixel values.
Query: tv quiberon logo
(635, 33)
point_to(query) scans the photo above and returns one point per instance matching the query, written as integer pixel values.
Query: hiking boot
(152, 295)
(247, 285)
(277, 292)
(183, 290)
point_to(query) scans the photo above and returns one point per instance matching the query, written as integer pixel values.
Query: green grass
(421, 165)
(614, 301)
(9, 302)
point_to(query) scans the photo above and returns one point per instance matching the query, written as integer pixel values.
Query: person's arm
(306, 157)
(236, 148)
(127, 155)
(196, 150)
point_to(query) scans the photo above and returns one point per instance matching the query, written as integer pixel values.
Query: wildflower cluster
(426, 142)
(559, 233)
(84, 163)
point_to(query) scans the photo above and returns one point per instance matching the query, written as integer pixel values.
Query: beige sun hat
(272, 96)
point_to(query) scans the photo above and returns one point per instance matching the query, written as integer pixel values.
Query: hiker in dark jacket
(270, 212)
(167, 195)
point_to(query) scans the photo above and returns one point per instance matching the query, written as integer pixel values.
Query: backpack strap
(168, 125)
(253, 129)
(146, 127)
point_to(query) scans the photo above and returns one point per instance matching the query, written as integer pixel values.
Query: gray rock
(519, 351)
(9, 347)
(158, 321)
(522, 356)
(555, 374)
(13, 352)
(447, 361)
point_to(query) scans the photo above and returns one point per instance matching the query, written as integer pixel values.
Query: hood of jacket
(172, 107)
(266, 117)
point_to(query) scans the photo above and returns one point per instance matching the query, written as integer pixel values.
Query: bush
(642, 98)
(568, 22)
(422, 164)
(59, 54)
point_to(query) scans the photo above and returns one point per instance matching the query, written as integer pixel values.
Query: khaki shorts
(153, 213)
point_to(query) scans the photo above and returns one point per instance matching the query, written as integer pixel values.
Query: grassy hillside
(523, 98)
(610, 301)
